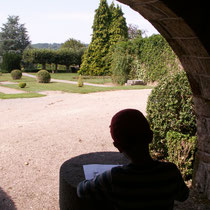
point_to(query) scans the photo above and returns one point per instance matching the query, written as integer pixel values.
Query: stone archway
(184, 24)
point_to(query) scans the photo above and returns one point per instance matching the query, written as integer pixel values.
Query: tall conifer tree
(118, 30)
(93, 59)
(109, 27)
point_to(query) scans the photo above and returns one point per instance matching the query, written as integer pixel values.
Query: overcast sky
(55, 21)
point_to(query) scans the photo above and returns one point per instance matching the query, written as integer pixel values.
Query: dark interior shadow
(71, 173)
(6, 203)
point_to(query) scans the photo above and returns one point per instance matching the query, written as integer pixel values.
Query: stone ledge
(135, 82)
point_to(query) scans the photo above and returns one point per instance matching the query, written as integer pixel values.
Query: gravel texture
(38, 134)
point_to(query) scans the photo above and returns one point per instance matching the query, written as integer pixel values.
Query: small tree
(13, 37)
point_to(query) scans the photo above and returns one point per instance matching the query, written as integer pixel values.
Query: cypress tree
(109, 27)
(93, 59)
(118, 30)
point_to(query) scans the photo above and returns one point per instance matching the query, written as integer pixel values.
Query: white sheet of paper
(92, 170)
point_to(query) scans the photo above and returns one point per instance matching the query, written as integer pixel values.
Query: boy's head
(130, 128)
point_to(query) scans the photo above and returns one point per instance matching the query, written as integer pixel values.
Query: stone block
(177, 28)
(205, 63)
(202, 107)
(191, 46)
(135, 82)
(205, 84)
(195, 83)
(200, 177)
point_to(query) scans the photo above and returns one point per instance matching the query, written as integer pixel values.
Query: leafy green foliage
(16, 74)
(22, 84)
(181, 150)
(151, 58)
(73, 44)
(43, 76)
(170, 108)
(109, 27)
(64, 56)
(11, 60)
(156, 59)
(121, 62)
(13, 36)
(118, 30)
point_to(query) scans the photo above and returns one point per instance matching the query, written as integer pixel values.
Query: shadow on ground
(6, 203)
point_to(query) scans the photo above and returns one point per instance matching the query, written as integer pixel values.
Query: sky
(55, 21)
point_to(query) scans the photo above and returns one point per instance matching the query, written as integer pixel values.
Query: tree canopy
(13, 36)
(73, 44)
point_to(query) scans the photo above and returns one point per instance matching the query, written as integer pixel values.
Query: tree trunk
(44, 66)
(56, 68)
(67, 68)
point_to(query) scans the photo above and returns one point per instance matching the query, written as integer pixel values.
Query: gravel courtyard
(37, 135)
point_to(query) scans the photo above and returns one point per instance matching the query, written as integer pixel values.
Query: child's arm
(95, 188)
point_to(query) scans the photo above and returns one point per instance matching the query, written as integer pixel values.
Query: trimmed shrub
(11, 61)
(170, 108)
(16, 74)
(181, 151)
(22, 84)
(80, 81)
(43, 76)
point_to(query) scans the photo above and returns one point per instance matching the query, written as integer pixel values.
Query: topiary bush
(181, 151)
(170, 108)
(80, 81)
(22, 84)
(43, 76)
(16, 74)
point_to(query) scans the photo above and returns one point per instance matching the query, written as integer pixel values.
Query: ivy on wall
(155, 59)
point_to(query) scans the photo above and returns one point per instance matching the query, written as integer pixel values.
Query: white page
(92, 170)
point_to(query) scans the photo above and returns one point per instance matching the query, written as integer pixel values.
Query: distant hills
(53, 46)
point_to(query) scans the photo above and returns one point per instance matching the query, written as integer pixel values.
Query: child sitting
(144, 183)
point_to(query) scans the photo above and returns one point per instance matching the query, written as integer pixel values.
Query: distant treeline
(53, 46)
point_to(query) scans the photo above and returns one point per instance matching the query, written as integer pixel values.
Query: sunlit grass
(34, 87)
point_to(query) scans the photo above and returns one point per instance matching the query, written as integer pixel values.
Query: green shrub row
(171, 116)
(148, 59)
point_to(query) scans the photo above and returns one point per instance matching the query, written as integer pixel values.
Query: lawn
(33, 88)
(74, 77)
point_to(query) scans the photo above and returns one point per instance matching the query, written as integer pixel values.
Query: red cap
(129, 126)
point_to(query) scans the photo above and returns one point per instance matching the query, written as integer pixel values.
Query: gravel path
(38, 134)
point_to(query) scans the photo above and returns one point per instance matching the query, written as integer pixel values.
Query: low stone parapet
(135, 82)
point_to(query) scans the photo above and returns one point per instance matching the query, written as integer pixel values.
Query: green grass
(20, 95)
(33, 87)
(74, 77)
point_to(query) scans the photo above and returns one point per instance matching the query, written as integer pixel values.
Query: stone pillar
(201, 180)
